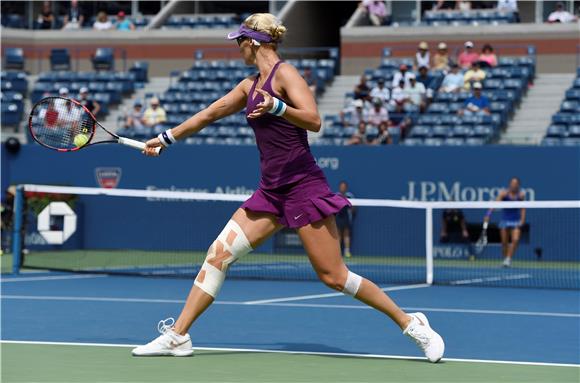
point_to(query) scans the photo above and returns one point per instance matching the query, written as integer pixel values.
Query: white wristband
(166, 138)
(279, 107)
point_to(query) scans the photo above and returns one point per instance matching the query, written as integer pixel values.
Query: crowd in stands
(565, 126)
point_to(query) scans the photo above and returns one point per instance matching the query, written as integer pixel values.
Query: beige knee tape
(230, 245)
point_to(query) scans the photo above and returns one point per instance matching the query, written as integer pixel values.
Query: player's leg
(320, 240)
(516, 233)
(505, 241)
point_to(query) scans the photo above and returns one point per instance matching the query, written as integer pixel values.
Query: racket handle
(485, 223)
(135, 144)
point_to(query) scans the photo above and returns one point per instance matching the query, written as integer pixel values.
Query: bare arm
(304, 113)
(500, 197)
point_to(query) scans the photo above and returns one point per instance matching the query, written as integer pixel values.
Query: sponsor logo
(332, 163)
(456, 191)
(108, 178)
(55, 236)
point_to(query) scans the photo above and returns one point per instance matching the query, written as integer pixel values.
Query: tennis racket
(482, 241)
(65, 125)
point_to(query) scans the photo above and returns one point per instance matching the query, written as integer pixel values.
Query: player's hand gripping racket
(482, 241)
(65, 125)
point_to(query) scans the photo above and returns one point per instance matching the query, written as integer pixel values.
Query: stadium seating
(201, 21)
(14, 58)
(59, 59)
(565, 127)
(14, 89)
(461, 18)
(104, 59)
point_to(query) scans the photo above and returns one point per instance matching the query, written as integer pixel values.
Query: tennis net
(167, 233)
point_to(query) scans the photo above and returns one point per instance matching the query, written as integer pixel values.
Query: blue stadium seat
(59, 59)
(433, 141)
(472, 141)
(557, 131)
(573, 94)
(412, 141)
(453, 141)
(461, 131)
(574, 130)
(569, 106)
(548, 141)
(420, 131)
(14, 58)
(103, 59)
(571, 141)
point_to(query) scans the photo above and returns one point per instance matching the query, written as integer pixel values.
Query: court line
(329, 295)
(344, 354)
(284, 304)
(51, 278)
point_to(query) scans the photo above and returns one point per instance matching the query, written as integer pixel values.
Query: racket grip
(135, 144)
(485, 223)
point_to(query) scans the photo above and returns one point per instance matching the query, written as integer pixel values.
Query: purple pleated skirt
(298, 204)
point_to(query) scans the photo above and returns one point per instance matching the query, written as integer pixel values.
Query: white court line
(284, 304)
(250, 350)
(329, 295)
(51, 278)
(490, 279)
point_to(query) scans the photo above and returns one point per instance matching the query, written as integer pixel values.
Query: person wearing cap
(475, 74)
(355, 114)
(560, 15)
(441, 58)
(91, 105)
(378, 113)
(123, 23)
(403, 74)
(422, 57)
(134, 119)
(63, 92)
(155, 114)
(477, 104)
(102, 23)
(381, 91)
(453, 81)
(468, 56)
(416, 93)
(487, 57)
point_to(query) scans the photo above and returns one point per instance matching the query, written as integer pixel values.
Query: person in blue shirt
(477, 104)
(123, 24)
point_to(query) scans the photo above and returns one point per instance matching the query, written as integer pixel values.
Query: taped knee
(229, 246)
(352, 284)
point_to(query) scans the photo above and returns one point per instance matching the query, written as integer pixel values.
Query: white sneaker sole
(437, 337)
(165, 353)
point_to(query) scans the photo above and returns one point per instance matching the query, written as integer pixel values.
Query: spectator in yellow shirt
(475, 74)
(155, 114)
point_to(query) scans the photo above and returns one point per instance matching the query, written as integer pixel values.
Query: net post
(17, 229)
(429, 243)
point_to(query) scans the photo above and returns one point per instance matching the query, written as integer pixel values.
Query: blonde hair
(266, 23)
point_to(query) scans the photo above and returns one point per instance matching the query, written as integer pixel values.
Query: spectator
(376, 11)
(344, 220)
(477, 104)
(454, 230)
(422, 57)
(475, 74)
(441, 5)
(462, 5)
(487, 57)
(468, 56)
(384, 137)
(377, 114)
(91, 105)
(509, 6)
(560, 15)
(155, 114)
(441, 58)
(102, 23)
(310, 79)
(134, 119)
(427, 81)
(62, 92)
(46, 18)
(453, 81)
(399, 97)
(360, 136)
(416, 93)
(381, 91)
(355, 114)
(74, 17)
(123, 23)
(402, 74)
(362, 90)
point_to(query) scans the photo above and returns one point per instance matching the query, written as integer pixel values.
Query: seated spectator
(362, 90)
(468, 56)
(381, 91)
(134, 119)
(475, 74)
(74, 17)
(359, 137)
(402, 74)
(477, 104)
(453, 81)
(401, 121)
(487, 57)
(399, 97)
(155, 114)
(422, 57)
(428, 82)
(91, 105)
(441, 5)
(560, 15)
(102, 23)
(509, 6)
(462, 5)
(123, 23)
(441, 58)
(383, 138)
(46, 18)
(416, 93)
(377, 114)
(310, 79)
(376, 11)
(354, 115)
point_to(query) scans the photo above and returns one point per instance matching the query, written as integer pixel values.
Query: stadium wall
(414, 173)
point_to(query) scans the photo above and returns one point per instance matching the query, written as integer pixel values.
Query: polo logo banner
(108, 178)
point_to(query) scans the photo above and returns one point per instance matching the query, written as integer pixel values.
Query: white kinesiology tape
(353, 282)
(230, 245)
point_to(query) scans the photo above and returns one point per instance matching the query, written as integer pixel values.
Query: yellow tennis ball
(81, 140)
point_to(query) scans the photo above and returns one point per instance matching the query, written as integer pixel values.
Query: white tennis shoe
(169, 343)
(426, 338)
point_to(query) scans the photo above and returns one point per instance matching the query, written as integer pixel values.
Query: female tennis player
(293, 192)
(511, 221)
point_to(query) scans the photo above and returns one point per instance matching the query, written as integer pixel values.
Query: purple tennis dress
(292, 186)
